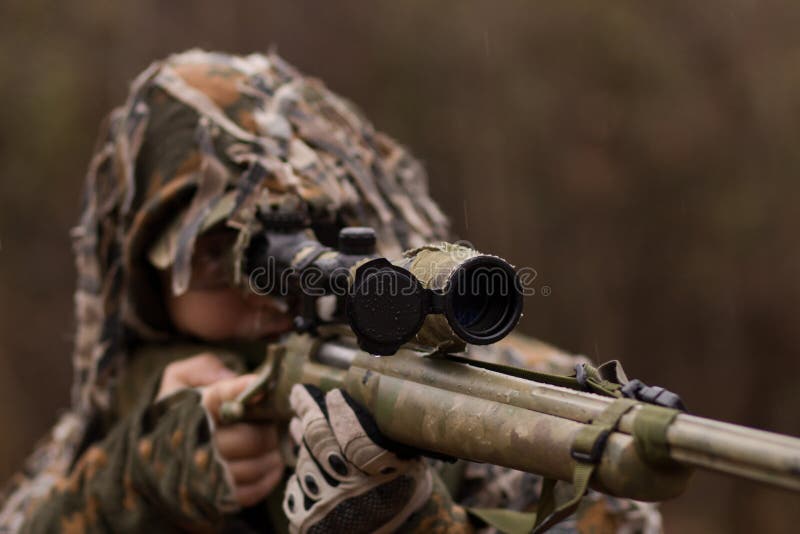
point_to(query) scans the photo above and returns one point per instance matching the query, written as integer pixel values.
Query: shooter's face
(227, 314)
(213, 309)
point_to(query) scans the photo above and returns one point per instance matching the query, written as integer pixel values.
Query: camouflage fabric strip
(173, 84)
(210, 188)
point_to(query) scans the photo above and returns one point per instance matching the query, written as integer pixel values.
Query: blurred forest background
(642, 157)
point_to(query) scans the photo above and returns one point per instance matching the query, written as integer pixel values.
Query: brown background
(642, 158)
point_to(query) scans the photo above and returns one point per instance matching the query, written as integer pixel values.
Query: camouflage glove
(345, 480)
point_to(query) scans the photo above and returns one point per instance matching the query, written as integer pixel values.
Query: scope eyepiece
(437, 295)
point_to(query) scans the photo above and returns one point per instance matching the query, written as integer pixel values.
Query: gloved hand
(346, 480)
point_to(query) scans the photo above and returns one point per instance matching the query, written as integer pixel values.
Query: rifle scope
(441, 295)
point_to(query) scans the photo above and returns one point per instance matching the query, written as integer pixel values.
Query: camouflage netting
(196, 126)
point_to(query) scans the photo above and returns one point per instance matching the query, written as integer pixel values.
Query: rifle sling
(506, 521)
(592, 379)
(650, 430)
(650, 434)
(587, 450)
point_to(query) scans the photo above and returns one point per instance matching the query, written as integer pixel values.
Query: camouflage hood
(195, 128)
(200, 126)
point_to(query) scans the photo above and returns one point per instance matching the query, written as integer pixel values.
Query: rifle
(594, 429)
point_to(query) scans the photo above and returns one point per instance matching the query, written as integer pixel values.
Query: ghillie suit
(198, 130)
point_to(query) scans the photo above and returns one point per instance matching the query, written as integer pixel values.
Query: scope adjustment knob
(357, 241)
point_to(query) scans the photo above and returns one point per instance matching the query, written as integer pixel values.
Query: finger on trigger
(226, 390)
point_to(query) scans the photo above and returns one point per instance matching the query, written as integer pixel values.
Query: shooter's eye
(212, 259)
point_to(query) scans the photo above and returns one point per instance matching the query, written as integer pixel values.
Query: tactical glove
(346, 479)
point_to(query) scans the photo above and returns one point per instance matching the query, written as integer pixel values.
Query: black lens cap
(385, 306)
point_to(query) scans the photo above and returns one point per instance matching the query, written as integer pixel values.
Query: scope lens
(484, 302)
(471, 308)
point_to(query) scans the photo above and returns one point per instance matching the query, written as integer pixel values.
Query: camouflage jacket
(157, 468)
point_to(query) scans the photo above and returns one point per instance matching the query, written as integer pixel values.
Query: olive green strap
(650, 438)
(598, 380)
(587, 450)
(506, 521)
(606, 379)
(650, 433)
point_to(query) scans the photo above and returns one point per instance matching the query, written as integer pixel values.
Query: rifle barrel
(694, 441)
(466, 411)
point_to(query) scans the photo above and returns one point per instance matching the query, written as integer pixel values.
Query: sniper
(221, 387)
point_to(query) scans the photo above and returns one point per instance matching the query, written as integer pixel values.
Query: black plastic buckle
(594, 455)
(636, 389)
